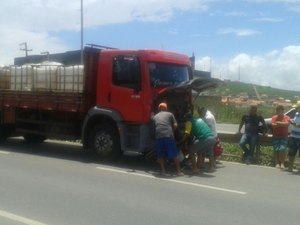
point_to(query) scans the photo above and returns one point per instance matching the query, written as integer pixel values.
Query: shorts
(279, 144)
(166, 147)
(205, 146)
(294, 146)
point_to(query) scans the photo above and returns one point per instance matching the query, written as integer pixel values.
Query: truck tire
(105, 142)
(34, 138)
(3, 134)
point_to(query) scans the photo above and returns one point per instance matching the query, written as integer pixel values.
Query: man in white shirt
(209, 118)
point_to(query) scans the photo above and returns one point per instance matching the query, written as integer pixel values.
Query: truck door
(126, 95)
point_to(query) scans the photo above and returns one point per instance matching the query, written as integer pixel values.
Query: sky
(252, 41)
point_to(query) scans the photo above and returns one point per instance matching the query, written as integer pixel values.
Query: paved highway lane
(55, 183)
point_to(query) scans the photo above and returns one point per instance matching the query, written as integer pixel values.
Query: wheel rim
(104, 143)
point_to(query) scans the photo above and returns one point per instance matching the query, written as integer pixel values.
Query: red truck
(107, 102)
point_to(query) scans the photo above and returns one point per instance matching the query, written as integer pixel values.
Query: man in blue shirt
(249, 139)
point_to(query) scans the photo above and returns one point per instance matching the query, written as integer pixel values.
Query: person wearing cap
(280, 125)
(164, 124)
(249, 138)
(294, 145)
(202, 142)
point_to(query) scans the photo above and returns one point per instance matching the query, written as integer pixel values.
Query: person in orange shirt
(280, 124)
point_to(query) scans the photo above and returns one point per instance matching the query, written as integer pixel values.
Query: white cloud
(268, 19)
(204, 64)
(295, 8)
(278, 68)
(292, 5)
(238, 32)
(11, 39)
(39, 21)
(236, 14)
(273, 1)
(56, 15)
(121, 11)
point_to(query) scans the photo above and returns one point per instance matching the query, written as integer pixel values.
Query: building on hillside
(281, 101)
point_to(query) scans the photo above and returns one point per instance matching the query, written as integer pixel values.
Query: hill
(235, 88)
(231, 100)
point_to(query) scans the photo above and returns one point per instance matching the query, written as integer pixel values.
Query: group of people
(202, 141)
(200, 136)
(282, 140)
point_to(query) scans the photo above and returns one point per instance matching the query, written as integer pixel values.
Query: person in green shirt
(202, 142)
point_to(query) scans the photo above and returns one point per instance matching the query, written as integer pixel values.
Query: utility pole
(239, 72)
(25, 48)
(192, 59)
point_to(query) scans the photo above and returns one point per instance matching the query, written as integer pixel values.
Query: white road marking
(251, 165)
(174, 181)
(4, 152)
(20, 219)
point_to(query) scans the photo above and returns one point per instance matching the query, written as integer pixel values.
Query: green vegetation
(230, 113)
(233, 114)
(234, 88)
(233, 153)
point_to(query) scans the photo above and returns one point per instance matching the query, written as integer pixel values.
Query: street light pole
(81, 22)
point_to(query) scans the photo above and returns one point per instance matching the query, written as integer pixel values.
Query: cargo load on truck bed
(47, 76)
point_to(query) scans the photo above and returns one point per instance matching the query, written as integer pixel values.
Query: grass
(233, 152)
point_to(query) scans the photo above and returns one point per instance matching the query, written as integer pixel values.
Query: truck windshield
(162, 74)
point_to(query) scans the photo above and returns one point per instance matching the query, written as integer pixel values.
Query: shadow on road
(72, 151)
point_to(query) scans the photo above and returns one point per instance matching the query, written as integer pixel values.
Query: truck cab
(130, 85)
(129, 81)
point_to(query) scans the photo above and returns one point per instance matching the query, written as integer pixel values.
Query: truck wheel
(105, 142)
(3, 134)
(35, 139)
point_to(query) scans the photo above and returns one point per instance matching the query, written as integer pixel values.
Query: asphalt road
(57, 184)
